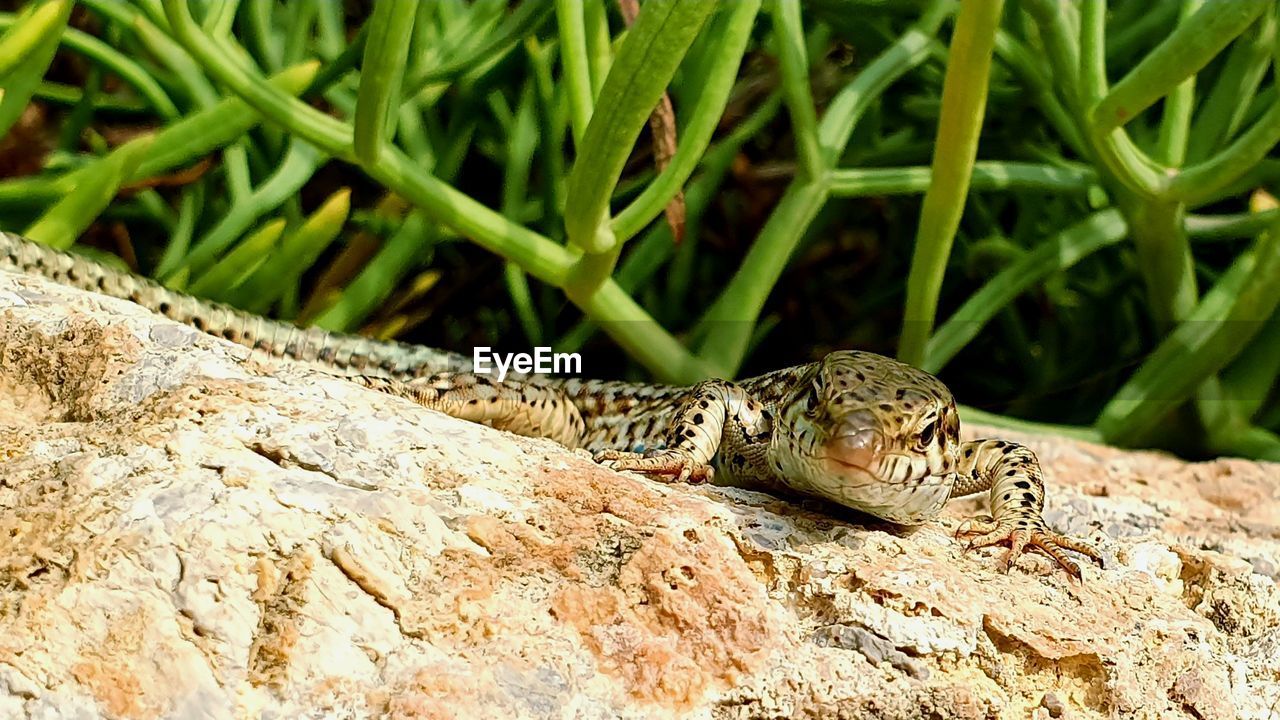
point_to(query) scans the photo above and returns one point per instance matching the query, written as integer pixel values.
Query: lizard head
(871, 433)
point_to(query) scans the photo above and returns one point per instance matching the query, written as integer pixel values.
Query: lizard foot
(662, 463)
(1020, 538)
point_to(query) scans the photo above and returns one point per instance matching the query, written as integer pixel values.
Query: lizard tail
(348, 354)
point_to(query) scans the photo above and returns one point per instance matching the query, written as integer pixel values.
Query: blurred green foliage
(1062, 208)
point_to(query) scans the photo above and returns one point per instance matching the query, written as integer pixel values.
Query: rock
(191, 531)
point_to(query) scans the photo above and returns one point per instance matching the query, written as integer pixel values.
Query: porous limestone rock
(190, 531)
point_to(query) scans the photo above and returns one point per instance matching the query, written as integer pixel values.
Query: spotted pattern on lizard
(855, 428)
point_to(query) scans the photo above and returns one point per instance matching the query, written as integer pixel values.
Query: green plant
(1062, 151)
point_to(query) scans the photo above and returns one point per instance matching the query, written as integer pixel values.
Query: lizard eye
(927, 433)
(811, 398)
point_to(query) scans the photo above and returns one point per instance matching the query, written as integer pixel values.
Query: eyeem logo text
(484, 360)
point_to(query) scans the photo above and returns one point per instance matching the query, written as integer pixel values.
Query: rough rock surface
(188, 531)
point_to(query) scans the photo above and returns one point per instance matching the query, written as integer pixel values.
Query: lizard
(855, 428)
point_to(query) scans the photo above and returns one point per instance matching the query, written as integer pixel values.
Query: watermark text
(484, 361)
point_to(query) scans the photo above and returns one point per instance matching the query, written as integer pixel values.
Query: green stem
(70, 95)
(793, 64)
(1246, 440)
(522, 23)
(589, 273)
(982, 417)
(644, 66)
(577, 69)
(1197, 182)
(1180, 55)
(1223, 110)
(298, 251)
(1059, 31)
(297, 166)
(1093, 47)
(964, 97)
(1230, 227)
(345, 61)
(330, 134)
(260, 31)
(903, 56)
(1214, 333)
(697, 133)
(28, 35)
(522, 143)
(222, 277)
(221, 18)
(385, 53)
(599, 45)
(62, 223)
(1248, 381)
(651, 252)
(989, 175)
(1140, 32)
(1175, 121)
(730, 322)
(115, 61)
(1164, 253)
(27, 50)
(541, 257)
(1056, 254)
(377, 279)
(1031, 72)
(645, 340)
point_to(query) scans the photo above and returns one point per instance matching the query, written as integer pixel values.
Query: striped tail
(345, 354)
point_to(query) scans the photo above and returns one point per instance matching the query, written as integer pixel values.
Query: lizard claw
(661, 465)
(1020, 538)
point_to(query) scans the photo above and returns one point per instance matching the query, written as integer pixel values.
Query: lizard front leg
(713, 412)
(520, 407)
(1012, 473)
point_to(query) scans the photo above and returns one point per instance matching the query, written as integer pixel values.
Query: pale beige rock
(186, 531)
